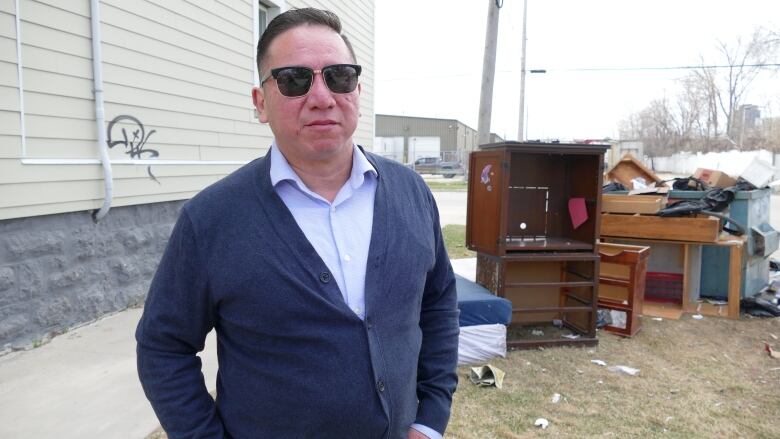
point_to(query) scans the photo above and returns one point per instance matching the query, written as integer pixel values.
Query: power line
(587, 69)
(629, 69)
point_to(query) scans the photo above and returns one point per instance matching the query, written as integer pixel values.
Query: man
(321, 267)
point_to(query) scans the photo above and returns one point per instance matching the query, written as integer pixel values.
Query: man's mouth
(321, 122)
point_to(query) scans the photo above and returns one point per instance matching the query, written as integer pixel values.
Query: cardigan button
(324, 277)
(380, 385)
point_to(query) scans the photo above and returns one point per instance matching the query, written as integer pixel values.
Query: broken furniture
(680, 262)
(533, 218)
(621, 203)
(629, 171)
(622, 285)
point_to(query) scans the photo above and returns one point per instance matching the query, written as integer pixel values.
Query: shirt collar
(281, 169)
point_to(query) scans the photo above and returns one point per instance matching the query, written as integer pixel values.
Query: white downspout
(20, 74)
(100, 117)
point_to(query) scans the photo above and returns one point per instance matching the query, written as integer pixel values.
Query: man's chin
(327, 150)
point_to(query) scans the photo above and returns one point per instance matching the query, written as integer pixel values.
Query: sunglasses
(296, 81)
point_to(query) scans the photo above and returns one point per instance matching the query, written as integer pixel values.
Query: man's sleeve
(176, 319)
(436, 370)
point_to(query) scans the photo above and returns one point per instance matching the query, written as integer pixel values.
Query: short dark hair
(294, 18)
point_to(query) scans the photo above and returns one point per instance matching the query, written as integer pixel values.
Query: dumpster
(750, 209)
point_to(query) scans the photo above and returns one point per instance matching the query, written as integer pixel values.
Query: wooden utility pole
(488, 73)
(521, 122)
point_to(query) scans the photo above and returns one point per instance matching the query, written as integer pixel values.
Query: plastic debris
(556, 398)
(603, 318)
(697, 316)
(537, 332)
(658, 319)
(487, 376)
(541, 422)
(639, 183)
(599, 362)
(624, 369)
(571, 336)
(773, 336)
(771, 351)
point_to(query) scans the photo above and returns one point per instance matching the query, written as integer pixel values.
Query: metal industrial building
(406, 138)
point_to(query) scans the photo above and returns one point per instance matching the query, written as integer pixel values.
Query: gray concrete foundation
(60, 271)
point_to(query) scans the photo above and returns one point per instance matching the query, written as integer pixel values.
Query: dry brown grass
(699, 379)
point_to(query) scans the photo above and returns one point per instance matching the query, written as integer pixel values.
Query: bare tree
(710, 98)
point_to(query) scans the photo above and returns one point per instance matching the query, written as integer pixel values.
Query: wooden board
(663, 310)
(629, 168)
(689, 229)
(620, 203)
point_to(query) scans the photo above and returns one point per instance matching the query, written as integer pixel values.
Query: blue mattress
(478, 306)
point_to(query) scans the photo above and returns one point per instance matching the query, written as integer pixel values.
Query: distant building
(619, 148)
(406, 138)
(745, 121)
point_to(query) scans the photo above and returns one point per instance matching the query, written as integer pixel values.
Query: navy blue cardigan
(294, 360)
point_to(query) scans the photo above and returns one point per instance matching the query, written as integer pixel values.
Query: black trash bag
(759, 307)
(714, 200)
(613, 187)
(688, 184)
(774, 264)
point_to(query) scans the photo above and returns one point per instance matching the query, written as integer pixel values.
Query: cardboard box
(645, 204)
(714, 178)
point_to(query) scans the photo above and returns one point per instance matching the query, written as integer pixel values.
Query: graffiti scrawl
(485, 177)
(133, 141)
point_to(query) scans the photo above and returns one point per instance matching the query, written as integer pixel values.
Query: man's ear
(258, 98)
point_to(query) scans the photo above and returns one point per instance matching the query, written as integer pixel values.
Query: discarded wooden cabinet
(622, 285)
(533, 217)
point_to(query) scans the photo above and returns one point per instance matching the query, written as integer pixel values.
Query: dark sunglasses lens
(294, 81)
(341, 78)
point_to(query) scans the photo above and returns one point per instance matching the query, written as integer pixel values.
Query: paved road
(452, 207)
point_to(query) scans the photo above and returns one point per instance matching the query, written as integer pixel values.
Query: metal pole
(521, 119)
(488, 73)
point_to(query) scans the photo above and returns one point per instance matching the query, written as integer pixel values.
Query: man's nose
(320, 95)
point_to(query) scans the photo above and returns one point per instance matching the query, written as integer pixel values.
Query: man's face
(317, 126)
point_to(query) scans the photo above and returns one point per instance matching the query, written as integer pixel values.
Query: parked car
(436, 166)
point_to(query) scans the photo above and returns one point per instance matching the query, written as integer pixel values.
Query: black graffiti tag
(134, 147)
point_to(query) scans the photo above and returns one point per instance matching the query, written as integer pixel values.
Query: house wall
(182, 71)
(178, 75)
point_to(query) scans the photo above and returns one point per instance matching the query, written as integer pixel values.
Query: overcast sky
(429, 58)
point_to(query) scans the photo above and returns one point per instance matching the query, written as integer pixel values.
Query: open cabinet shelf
(533, 219)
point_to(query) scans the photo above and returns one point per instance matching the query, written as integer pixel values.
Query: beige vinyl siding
(10, 127)
(183, 68)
